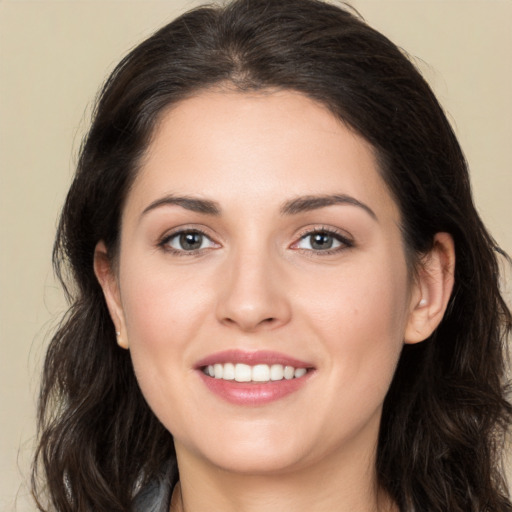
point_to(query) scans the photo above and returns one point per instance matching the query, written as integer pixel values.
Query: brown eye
(190, 241)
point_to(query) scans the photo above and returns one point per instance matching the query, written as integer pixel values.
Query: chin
(253, 455)
(257, 464)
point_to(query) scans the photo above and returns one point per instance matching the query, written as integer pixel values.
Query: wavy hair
(446, 415)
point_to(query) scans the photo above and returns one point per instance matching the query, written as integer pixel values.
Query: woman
(272, 216)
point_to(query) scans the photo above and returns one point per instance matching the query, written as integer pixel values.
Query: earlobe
(110, 286)
(434, 284)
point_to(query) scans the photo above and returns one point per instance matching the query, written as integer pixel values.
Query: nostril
(249, 325)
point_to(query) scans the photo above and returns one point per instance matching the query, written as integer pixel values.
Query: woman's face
(258, 236)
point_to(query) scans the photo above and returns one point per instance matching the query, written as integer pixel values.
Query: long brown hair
(446, 413)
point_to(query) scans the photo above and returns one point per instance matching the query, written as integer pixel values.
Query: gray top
(156, 496)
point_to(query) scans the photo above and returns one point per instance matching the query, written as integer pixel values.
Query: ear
(110, 286)
(432, 290)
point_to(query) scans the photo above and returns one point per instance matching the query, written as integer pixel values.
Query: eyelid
(163, 241)
(345, 239)
(342, 236)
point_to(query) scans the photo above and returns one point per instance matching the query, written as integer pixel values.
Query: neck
(326, 487)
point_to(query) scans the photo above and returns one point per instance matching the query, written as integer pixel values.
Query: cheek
(362, 325)
(159, 303)
(163, 312)
(363, 300)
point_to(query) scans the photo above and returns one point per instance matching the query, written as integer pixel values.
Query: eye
(188, 241)
(323, 241)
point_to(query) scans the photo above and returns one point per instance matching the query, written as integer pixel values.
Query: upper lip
(251, 358)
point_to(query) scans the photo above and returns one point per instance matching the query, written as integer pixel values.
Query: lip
(253, 393)
(252, 358)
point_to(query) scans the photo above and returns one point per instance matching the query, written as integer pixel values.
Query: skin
(257, 284)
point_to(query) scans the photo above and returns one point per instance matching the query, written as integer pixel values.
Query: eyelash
(164, 242)
(346, 243)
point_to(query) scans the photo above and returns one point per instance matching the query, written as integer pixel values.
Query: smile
(247, 378)
(258, 373)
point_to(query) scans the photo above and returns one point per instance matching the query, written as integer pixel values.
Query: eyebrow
(309, 203)
(189, 203)
(292, 207)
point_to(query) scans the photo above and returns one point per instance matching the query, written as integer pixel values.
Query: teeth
(218, 371)
(242, 373)
(261, 373)
(276, 372)
(299, 372)
(289, 372)
(228, 372)
(258, 373)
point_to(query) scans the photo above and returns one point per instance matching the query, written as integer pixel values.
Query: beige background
(53, 57)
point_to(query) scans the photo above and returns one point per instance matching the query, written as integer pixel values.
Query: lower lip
(253, 393)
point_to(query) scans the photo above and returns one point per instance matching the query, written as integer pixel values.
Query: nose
(253, 293)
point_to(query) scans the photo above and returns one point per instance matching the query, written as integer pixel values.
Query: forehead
(265, 146)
